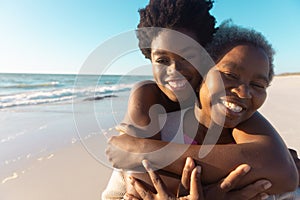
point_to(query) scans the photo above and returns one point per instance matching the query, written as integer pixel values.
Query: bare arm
(142, 112)
(262, 148)
(273, 159)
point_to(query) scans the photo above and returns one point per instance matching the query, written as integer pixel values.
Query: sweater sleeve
(116, 187)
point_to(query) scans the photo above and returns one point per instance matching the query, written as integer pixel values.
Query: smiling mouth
(177, 84)
(232, 106)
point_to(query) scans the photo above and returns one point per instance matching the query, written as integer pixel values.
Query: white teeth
(177, 84)
(231, 106)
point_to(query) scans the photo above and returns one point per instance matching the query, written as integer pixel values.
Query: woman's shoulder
(148, 93)
(146, 85)
(256, 122)
(148, 90)
(256, 125)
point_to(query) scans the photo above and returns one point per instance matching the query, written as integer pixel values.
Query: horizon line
(60, 73)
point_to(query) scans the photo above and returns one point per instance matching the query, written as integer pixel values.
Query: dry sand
(282, 108)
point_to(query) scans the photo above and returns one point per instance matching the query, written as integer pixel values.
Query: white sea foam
(24, 85)
(34, 89)
(58, 95)
(14, 176)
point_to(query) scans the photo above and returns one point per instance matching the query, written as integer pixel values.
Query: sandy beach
(72, 170)
(282, 108)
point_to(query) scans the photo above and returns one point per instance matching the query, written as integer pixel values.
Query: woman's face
(174, 60)
(235, 87)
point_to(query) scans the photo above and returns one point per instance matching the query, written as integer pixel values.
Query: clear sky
(57, 36)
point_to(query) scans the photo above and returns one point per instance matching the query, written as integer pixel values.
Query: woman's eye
(230, 75)
(259, 85)
(163, 61)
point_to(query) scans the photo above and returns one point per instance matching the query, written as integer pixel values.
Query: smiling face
(173, 59)
(235, 87)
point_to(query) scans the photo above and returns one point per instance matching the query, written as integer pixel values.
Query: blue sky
(57, 36)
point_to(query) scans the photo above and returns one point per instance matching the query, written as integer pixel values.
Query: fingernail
(225, 185)
(187, 162)
(264, 196)
(267, 185)
(247, 168)
(146, 165)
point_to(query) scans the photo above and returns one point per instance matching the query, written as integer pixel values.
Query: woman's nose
(174, 67)
(242, 91)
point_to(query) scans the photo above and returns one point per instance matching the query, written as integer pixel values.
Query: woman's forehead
(174, 41)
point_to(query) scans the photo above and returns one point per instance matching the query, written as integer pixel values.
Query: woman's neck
(202, 118)
(210, 132)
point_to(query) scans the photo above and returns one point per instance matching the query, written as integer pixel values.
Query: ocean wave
(37, 85)
(59, 95)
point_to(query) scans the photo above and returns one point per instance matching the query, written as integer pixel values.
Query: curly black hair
(192, 15)
(230, 35)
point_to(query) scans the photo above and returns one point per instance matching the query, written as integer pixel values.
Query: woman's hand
(191, 187)
(195, 186)
(225, 189)
(123, 152)
(126, 150)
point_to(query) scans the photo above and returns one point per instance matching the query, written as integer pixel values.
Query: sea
(36, 89)
(42, 113)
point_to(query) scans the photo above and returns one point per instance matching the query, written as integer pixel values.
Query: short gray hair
(229, 35)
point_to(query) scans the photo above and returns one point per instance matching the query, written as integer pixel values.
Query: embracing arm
(272, 159)
(142, 112)
(261, 148)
